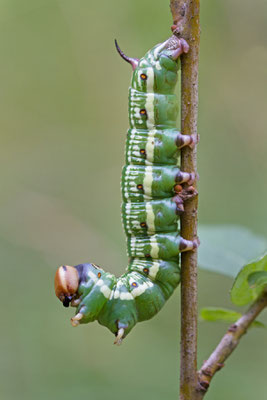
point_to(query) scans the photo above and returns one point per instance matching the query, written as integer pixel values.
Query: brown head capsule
(66, 283)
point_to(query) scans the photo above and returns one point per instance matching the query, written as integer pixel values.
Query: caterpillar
(151, 183)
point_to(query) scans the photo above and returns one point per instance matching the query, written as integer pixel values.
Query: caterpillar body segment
(151, 205)
(140, 183)
(150, 216)
(120, 303)
(157, 148)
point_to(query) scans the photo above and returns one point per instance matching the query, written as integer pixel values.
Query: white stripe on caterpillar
(154, 247)
(106, 291)
(154, 269)
(148, 180)
(150, 218)
(150, 80)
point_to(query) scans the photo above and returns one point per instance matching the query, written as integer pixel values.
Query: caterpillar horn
(132, 61)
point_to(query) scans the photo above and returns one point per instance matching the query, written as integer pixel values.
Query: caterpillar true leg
(119, 337)
(75, 302)
(76, 319)
(152, 202)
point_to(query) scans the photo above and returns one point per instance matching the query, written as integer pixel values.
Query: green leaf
(258, 278)
(241, 292)
(219, 314)
(223, 314)
(258, 324)
(226, 248)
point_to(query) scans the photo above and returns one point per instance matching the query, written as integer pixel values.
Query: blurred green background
(63, 106)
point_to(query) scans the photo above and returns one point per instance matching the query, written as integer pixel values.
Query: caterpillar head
(66, 284)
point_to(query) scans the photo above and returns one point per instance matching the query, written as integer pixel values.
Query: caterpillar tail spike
(130, 60)
(152, 203)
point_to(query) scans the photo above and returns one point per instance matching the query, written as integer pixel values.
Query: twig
(186, 17)
(228, 344)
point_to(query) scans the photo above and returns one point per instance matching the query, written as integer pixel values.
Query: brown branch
(227, 345)
(185, 15)
(193, 384)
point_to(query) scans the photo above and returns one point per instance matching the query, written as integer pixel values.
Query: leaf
(241, 292)
(258, 278)
(219, 314)
(258, 324)
(223, 314)
(226, 248)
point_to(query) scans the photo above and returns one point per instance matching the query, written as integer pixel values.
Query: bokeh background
(63, 113)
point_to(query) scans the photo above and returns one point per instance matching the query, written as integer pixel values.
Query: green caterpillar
(151, 205)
